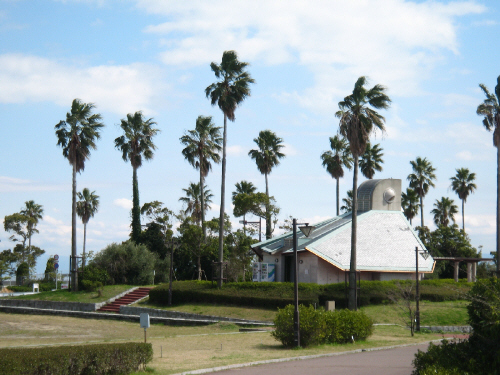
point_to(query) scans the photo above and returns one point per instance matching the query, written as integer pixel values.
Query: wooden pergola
(471, 265)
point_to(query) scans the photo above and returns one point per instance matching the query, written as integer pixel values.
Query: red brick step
(127, 299)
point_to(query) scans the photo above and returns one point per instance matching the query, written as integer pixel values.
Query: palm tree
(228, 92)
(193, 200)
(463, 184)
(34, 212)
(243, 187)
(421, 179)
(444, 210)
(203, 144)
(86, 208)
(490, 109)
(409, 202)
(371, 160)
(347, 207)
(266, 157)
(77, 136)
(335, 161)
(357, 121)
(136, 143)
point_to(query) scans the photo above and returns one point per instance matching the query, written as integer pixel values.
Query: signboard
(56, 265)
(256, 272)
(64, 286)
(56, 258)
(144, 319)
(263, 272)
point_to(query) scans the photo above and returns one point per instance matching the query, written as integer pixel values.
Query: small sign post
(144, 320)
(56, 266)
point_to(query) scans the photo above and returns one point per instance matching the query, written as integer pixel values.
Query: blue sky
(154, 56)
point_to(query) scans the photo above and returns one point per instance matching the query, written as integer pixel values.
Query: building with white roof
(386, 242)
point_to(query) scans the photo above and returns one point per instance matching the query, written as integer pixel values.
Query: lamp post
(245, 222)
(306, 230)
(425, 255)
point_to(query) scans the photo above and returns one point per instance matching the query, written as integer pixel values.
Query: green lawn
(108, 292)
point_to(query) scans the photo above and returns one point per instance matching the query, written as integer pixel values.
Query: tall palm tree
(193, 200)
(490, 109)
(34, 212)
(232, 87)
(203, 145)
(335, 160)
(358, 119)
(371, 160)
(136, 143)
(463, 184)
(243, 187)
(444, 210)
(77, 136)
(421, 180)
(86, 208)
(409, 202)
(266, 157)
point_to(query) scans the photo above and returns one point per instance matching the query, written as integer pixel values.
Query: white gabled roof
(385, 242)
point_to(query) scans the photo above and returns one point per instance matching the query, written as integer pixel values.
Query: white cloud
(120, 89)
(289, 150)
(336, 40)
(235, 150)
(11, 184)
(468, 155)
(123, 202)
(479, 224)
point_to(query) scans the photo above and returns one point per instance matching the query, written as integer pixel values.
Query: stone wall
(49, 305)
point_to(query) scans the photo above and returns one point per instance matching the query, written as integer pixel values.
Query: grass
(108, 292)
(449, 313)
(178, 349)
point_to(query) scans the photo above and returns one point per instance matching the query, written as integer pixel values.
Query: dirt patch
(5, 290)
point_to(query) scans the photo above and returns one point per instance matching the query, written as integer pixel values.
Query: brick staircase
(114, 307)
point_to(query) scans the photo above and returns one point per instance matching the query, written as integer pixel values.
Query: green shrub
(120, 358)
(321, 327)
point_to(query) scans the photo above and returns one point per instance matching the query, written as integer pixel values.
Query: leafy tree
(77, 136)
(232, 87)
(193, 200)
(8, 259)
(136, 143)
(126, 263)
(86, 208)
(266, 157)
(447, 241)
(463, 184)
(335, 160)
(409, 203)
(421, 179)
(443, 211)
(203, 145)
(287, 225)
(358, 119)
(242, 200)
(347, 207)
(490, 109)
(371, 160)
(35, 213)
(158, 235)
(239, 256)
(50, 270)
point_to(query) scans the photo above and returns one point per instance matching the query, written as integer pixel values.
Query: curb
(278, 360)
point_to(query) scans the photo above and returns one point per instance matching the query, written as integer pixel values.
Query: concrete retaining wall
(130, 310)
(462, 329)
(49, 305)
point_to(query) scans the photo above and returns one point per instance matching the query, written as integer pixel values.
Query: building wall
(378, 202)
(308, 269)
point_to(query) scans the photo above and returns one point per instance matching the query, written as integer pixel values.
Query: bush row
(120, 358)
(321, 327)
(275, 294)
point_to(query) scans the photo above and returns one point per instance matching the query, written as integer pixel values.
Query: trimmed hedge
(276, 294)
(321, 327)
(98, 359)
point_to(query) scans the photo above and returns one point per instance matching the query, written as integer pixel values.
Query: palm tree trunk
(421, 208)
(202, 198)
(84, 239)
(498, 213)
(338, 197)
(463, 216)
(74, 274)
(223, 195)
(268, 214)
(198, 266)
(352, 302)
(136, 210)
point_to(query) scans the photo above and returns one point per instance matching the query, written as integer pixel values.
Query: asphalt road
(397, 361)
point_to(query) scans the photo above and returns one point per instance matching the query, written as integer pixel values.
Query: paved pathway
(397, 361)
